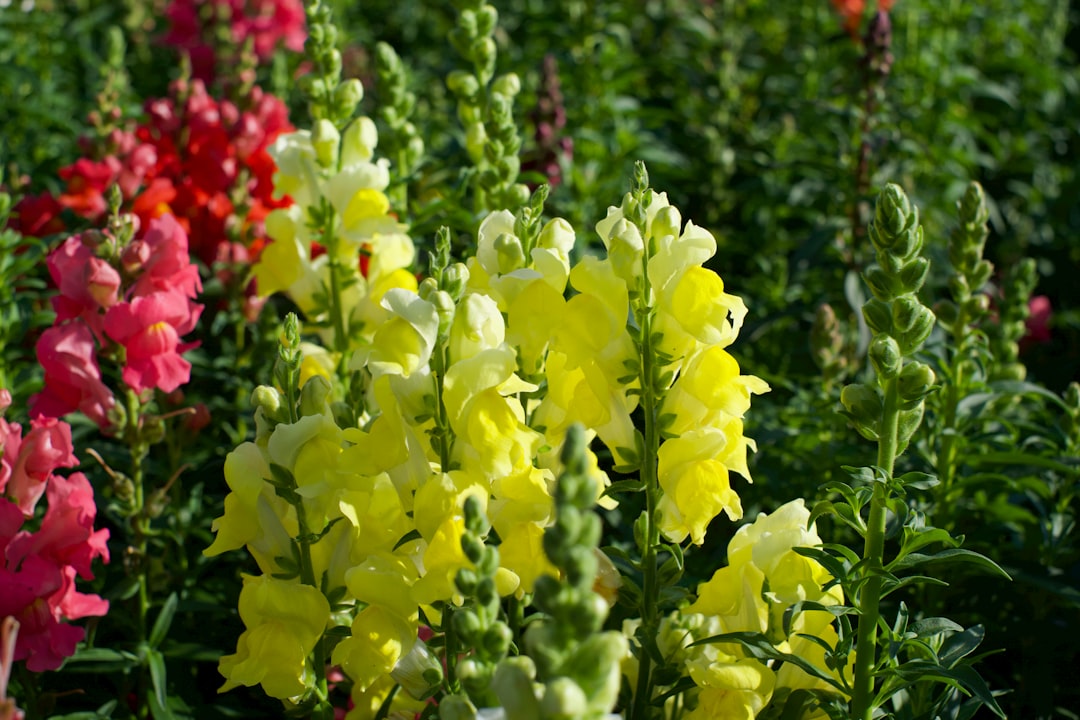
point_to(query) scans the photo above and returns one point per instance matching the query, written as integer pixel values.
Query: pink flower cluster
(38, 567)
(138, 298)
(265, 22)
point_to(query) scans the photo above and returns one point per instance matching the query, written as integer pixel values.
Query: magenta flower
(72, 378)
(28, 462)
(149, 328)
(86, 282)
(38, 570)
(167, 265)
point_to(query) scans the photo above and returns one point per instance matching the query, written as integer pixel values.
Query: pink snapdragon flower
(28, 462)
(1040, 312)
(86, 282)
(149, 327)
(72, 377)
(38, 566)
(267, 23)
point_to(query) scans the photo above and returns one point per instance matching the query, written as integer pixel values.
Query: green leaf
(101, 660)
(163, 621)
(961, 645)
(159, 698)
(759, 647)
(952, 555)
(928, 627)
(408, 537)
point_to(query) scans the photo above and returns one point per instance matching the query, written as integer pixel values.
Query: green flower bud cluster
(485, 108)
(827, 346)
(578, 664)
(968, 306)
(1011, 326)
(399, 136)
(329, 97)
(477, 625)
(899, 321)
(1071, 421)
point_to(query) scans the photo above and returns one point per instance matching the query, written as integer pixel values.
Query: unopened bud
(885, 357)
(347, 95)
(314, 394)
(510, 253)
(454, 280)
(267, 399)
(508, 84)
(667, 221)
(564, 700)
(863, 404)
(915, 383)
(325, 139)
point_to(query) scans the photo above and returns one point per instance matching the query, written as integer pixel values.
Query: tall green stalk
(890, 409)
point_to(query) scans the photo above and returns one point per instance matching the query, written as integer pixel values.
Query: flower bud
(446, 309)
(508, 84)
(564, 700)
(913, 274)
(881, 284)
(513, 684)
(486, 19)
(878, 316)
(667, 221)
(347, 95)
(863, 405)
(359, 141)
(625, 250)
(134, 256)
(915, 383)
(977, 305)
(313, 395)
(463, 84)
(454, 280)
(946, 312)
(981, 275)
(325, 139)
(496, 639)
(920, 329)
(267, 399)
(457, 707)
(511, 254)
(475, 139)
(885, 357)
(517, 194)
(416, 672)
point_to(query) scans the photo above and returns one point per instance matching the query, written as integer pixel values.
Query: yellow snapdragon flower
(284, 620)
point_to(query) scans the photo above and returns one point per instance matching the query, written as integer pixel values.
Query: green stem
(946, 461)
(140, 527)
(307, 576)
(440, 362)
(862, 706)
(650, 594)
(337, 315)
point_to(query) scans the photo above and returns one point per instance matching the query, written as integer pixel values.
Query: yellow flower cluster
(470, 383)
(340, 218)
(764, 578)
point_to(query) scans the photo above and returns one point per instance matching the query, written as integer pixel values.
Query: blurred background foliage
(771, 125)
